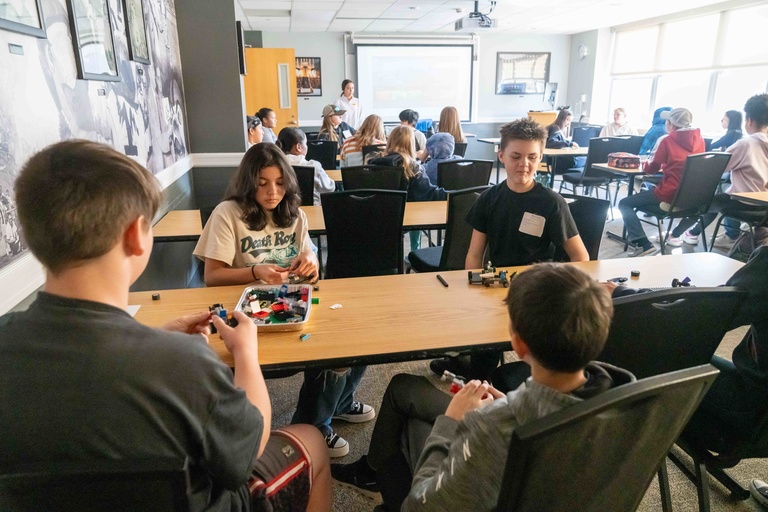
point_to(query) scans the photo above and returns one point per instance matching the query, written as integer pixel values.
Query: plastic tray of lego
(276, 308)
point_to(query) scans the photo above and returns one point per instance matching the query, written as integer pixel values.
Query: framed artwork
(91, 25)
(137, 33)
(23, 16)
(309, 80)
(522, 73)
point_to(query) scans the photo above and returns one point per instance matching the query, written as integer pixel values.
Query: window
(680, 50)
(634, 95)
(684, 90)
(635, 50)
(744, 41)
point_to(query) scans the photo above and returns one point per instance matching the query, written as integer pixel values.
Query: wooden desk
(555, 154)
(178, 225)
(409, 316)
(334, 174)
(760, 198)
(421, 215)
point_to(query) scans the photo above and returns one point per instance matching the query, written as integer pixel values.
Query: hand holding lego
(194, 323)
(474, 395)
(305, 264)
(270, 274)
(242, 337)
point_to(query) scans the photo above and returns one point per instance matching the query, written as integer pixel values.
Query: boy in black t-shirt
(519, 221)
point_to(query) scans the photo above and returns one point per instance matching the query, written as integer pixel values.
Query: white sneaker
(358, 413)
(759, 491)
(672, 241)
(690, 238)
(337, 445)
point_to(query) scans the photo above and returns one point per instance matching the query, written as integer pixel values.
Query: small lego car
(489, 276)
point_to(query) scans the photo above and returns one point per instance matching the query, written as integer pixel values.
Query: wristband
(253, 273)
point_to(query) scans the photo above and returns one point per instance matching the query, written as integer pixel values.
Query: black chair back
(701, 177)
(365, 232)
(460, 149)
(458, 232)
(305, 175)
(312, 135)
(160, 485)
(589, 214)
(599, 149)
(582, 134)
(632, 144)
(373, 177)
(682, 327)
(324, 151)
(373, 148)
(623, 435)
(461, 174)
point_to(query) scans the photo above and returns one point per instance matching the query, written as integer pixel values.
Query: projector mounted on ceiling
(476, 20)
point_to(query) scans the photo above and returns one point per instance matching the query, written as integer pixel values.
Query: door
(271, 82)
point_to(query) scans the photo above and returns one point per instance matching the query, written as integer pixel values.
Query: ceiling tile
(317, 6)
(259, 4)
(387, 25)
(312, 16)
(340, 25)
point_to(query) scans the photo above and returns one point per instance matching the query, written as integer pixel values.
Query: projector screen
(425, 78)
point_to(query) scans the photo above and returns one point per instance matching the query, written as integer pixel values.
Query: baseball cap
(332, 110)
(680, 117)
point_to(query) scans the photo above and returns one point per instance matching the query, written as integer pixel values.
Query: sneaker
(759, 491)
(337, 445)
(674, 241)
(690, 238)
(449, 363)
(358, 476)
(358, 413)
(645, 250)
(724, 241)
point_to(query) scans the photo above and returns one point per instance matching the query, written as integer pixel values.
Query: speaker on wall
(241, 47)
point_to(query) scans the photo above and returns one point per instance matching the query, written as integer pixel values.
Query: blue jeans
(627, 208)
(324, 394)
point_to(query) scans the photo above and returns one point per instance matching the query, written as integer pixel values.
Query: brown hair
(522, 129)
(328, 128)
(561, 313)
(449, 123)
(242, 187)
(75, 199)
(562, 115)
(402, 142)
(370, 131)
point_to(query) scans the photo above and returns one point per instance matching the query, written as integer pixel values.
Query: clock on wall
(582, 51)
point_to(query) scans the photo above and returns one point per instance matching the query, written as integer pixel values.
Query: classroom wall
(590, 76)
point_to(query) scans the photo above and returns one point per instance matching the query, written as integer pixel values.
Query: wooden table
(631, 173)
(421, 215)
(409, 316)
(178, 225)
(334, 174)
(760, 198)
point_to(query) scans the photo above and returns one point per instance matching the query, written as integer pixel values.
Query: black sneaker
(358, 476)
(358, 413)
(337, 445)
(449, 363)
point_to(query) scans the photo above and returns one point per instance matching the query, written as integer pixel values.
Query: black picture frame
(136, 31)
(18, 23)
(91, 25)
(309, 76)
(530, 79)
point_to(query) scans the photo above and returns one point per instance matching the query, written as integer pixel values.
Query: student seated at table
(556, 140)
(433, 452)
(255, 130)
(401, 152)
(371, 132)
(657, 129)
(268, 120)
(333, 127)
(440, 147)
(86, 382)
(450, 123)
(519, 221)
(410, 118)
(293, 142)
(619, 126)
(731, 123)
(749, 173)
(683, 140)
(260, 234)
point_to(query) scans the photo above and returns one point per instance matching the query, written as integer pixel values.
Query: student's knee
(314, 443)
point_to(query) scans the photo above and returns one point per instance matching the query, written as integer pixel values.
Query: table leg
(552, 171)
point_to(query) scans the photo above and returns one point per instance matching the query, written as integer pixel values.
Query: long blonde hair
(402, 142)
(449, 123)
(370, 131)
(329, 129)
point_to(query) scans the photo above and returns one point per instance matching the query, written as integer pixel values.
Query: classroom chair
(324, 151)
(589, 177)
(305, 175)
(453, 252)
(701, 176)
(373, 148)
(622, 434)
(124, 485)
(460, 149)
(582, 134)
(364, 230)
(373, 177)
(463, 174)
(589, 214)
(753, 218)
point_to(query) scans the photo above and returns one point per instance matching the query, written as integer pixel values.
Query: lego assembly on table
(489, 276)
(276, 305)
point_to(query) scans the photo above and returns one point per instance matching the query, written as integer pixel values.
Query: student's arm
(422, 155)
(306, 264)
(218, 273)
(323, 182)
(574, 248)
(194, 323)
(476, 250)
(658, 159)
(242, 343)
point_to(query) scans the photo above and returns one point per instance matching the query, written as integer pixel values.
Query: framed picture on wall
(137, 33)
(522, 73)
(23, 16)
(91, 25)
(309, 80)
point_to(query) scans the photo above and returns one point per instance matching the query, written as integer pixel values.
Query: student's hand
(574, 145)
(610, 286)
(470, 397)
(244, 337)
(306, 265)
(271, 274)
(194, 323)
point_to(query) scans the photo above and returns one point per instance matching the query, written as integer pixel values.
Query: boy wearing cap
(683, 140)
(333, 127)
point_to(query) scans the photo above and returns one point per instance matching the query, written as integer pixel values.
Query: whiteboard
(425, 78)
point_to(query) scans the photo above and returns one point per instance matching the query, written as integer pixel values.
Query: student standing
(293, 142)
(353, 111)
(85, 381)
(268, 123)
